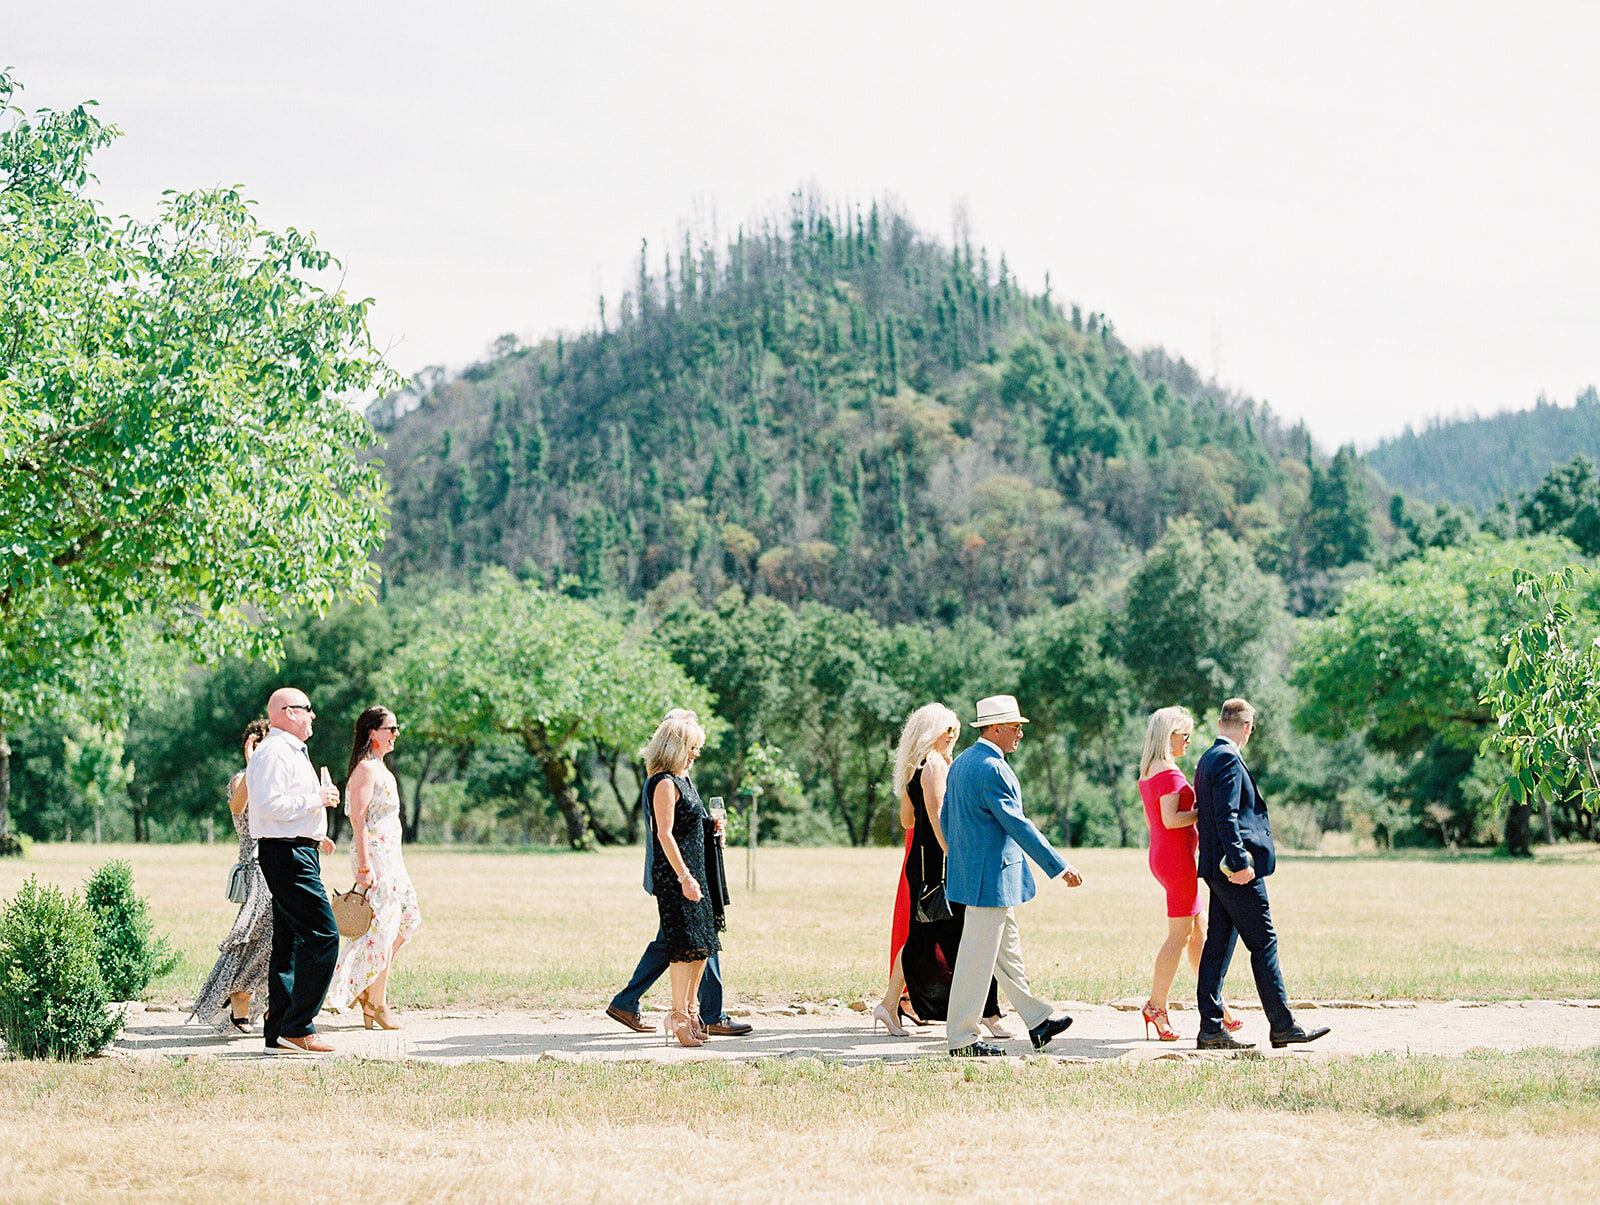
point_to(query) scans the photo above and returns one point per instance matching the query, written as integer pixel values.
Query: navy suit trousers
(305, 940)
(1241, 913)
(653, 964)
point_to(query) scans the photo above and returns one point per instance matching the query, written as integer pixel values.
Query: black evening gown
(929, 956)
(690, 927)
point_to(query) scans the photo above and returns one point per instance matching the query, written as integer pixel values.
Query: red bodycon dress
(1172, 850)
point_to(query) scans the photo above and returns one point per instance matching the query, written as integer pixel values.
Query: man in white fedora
(986, 871)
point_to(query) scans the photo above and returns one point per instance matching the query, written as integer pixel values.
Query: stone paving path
(836, 1032)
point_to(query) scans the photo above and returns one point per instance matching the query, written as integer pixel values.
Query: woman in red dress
(1169, 811)
(922, 953)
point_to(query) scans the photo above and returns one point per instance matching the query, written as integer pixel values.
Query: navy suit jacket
(988, 834)
(1233, 815)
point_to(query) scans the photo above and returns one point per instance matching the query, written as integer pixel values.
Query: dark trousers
(653, 964)
(1243, 913)
(305, 940)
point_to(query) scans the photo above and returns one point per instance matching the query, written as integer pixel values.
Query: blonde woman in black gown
(922, 954)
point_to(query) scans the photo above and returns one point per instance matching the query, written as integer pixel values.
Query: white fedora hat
(998, 709)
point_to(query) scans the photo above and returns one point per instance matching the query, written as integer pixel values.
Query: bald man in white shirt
(289, 820)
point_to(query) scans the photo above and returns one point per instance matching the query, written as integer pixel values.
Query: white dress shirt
(285, 792)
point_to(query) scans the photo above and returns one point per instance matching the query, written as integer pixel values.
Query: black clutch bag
(931, 904)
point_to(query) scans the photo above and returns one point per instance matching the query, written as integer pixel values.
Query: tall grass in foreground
(562, 930)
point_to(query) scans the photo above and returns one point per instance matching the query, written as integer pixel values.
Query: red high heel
(1233, 1026)
(1158, 1018)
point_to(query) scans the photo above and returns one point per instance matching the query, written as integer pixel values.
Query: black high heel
(900, 1011)
(242, 1024)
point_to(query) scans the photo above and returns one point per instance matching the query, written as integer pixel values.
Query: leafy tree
(551, 671)
(1076, 692)
(1408, 657)
(175, 435)
(1546, 697)
(737, 651)
(1201, 623)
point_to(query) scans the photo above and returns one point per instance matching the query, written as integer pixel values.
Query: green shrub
(129, 958)
(11, 846)
(52, 996)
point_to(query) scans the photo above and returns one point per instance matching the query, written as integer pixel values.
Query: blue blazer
(988, 834)
(1233, 815)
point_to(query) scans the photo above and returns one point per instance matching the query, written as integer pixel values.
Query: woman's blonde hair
(667, 751)
(1158, 736)
(923, 729)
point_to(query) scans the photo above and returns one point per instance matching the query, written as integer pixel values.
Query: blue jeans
(653, 964)
(1242, 913)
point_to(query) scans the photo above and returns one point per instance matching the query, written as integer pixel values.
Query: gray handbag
(239, 883)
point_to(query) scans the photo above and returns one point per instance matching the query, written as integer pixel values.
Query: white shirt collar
(1230, 742)
(285, 734)
(983, 740)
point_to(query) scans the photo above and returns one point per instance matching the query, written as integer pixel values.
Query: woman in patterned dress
(372, 801)
(235, 993)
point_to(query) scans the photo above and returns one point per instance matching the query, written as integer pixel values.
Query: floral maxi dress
(244, 953)
(394, 902)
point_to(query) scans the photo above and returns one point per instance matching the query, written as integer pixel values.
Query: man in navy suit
(986, 871)
(1236, 856)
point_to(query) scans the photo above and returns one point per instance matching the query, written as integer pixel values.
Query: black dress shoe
(729, 1028)
(1222, 1040)
(632, 1020)
(977, 1050)
(1295, 1034)
(1041, 1034)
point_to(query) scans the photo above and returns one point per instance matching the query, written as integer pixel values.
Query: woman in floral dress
(372, 800)
(235, 993)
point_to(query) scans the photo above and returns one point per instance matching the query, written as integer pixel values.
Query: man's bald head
(290, 710)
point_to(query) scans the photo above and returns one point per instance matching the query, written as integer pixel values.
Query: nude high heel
(880, 1015)
(378, 1016)
(679, 1026)
(997, 1029)
(699, 1027)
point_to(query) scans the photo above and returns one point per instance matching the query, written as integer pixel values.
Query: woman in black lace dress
(678, 827)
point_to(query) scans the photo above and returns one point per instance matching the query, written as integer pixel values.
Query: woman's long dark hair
(371, 719)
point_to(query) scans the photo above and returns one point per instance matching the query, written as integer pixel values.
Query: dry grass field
(1503, 1128)
(561, 930)
(546, 929)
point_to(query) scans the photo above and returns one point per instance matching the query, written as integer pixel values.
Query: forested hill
(1478, 461)
(844, 410)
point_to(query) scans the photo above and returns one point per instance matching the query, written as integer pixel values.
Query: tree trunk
(1118, 804)
(558, 778)
(1519, 824)
(5, 783)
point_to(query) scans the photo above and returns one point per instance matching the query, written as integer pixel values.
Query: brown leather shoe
(632, 1020)
(729, 1028)
(309, 1044)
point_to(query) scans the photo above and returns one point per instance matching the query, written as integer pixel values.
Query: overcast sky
(1367, 214)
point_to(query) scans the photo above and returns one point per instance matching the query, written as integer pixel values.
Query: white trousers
(990, 949)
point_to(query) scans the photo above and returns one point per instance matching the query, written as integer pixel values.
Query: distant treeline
(1478, 461)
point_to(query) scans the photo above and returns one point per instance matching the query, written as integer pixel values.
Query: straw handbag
(351, 912)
